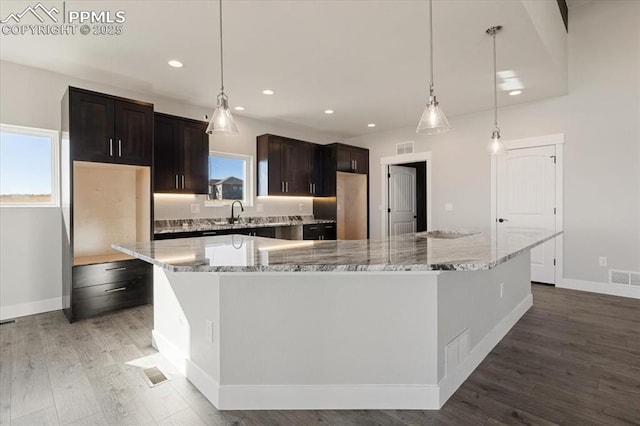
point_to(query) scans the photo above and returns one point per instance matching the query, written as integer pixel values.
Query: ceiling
(367, 60)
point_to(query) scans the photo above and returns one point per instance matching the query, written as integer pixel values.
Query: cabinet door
(134, 133)
(344, 163)
(311, 232)
(360, 158)
(316, 158)
(91, 127)
(195, 154)
(298, 168)
(275, 158)
(166, 154)
(329, 231)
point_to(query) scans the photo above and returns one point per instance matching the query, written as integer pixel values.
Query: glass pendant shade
(433, 120)
(222, 121)
(495, 146)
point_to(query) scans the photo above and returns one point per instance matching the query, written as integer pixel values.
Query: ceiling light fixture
(222, 121)
(239, 108)
(433, 120)
(268, 92)
(515, 92)
(175, 64)
(495, 146)
(371, 125)
(328, 111)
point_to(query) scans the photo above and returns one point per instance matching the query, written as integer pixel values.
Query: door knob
(503, 220)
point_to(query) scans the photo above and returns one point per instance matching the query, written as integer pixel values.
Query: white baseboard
(169, 351)
(31, 308)
(325, 397)
(612, 289)
(450, 384)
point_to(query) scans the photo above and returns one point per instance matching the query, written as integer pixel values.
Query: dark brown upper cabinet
(108, 129)
(352, 159)
(288, 167)
(181, 155)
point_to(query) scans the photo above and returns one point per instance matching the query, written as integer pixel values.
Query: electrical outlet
(602, 260)
(300, 207)
(208, 331)
(259, 207)
(448, 207)
(195, 208)
(501, 290)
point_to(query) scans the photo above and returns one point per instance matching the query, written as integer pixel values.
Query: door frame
(396, 160)
(558, 140)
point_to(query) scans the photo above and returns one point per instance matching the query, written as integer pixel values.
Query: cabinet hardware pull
(356, 164)
(113, 290)
(118, 268)
(313, 227)
(210, 233)
(182, 181)
(328, 227)
(119, 148)
(282, 186)
(311, 188)
(287, 185)
(176, 181)
(110, 147)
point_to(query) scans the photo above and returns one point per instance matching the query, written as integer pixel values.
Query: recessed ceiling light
(268, 92)
(515, 92)
(328, 111)
(175, 64)
(239, 108)
(371, 125)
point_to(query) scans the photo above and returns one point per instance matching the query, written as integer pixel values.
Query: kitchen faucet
(233, 218)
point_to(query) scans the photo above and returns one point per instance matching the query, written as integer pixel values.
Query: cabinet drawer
(103, 273)
(99, 299)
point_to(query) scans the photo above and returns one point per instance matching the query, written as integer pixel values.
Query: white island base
(335, 340)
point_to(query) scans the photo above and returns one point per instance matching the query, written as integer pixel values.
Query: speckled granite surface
(190, 225)
(410, 252)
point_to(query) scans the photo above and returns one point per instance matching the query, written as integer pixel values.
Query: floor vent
(404, 147)
(154, 377)
(7, 322)
(624, 277)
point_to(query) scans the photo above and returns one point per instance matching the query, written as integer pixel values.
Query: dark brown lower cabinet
(319, 231)
(107, 287)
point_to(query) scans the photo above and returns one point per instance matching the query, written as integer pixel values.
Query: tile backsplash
(180, 206)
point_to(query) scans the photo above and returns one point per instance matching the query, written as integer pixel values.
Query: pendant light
(222, 120)
(433, 120)
(495, 146)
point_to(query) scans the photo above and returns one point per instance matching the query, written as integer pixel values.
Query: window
(230, 178)
(28, 166)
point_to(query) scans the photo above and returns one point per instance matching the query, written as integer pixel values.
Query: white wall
(599, 117)
(30, 237)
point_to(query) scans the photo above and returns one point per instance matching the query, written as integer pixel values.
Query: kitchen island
(259, 323)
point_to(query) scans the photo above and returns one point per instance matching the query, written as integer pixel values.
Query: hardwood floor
(573, 359)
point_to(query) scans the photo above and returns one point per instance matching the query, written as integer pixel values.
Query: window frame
(54, 138)
(248, 194)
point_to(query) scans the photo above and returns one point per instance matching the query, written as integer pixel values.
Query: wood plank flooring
(573, 359)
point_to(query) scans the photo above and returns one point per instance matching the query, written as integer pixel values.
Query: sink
(446, 235)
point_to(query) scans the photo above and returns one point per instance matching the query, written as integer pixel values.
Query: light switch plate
(448, 207)
(259, 207)
(300, 207)
(195, 208)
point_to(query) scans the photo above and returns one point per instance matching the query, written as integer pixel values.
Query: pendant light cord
(221, 51)
(495, 84)
(431, 44)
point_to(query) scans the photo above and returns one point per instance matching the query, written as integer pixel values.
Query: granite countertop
(424, 251)
(193, 225)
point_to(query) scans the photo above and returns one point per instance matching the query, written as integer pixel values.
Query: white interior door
(402, 200)
(526, 199)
